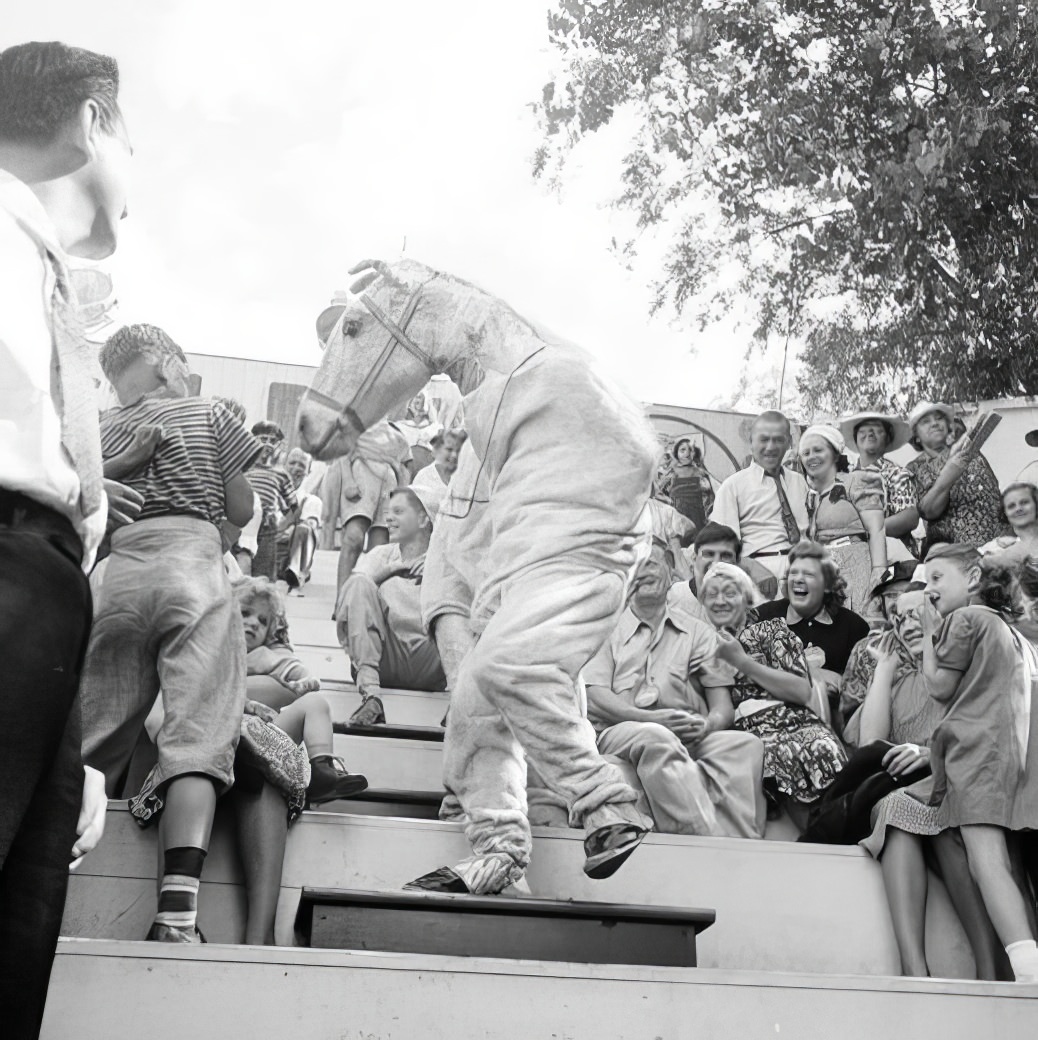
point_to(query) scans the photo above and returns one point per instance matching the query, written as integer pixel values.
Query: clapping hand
(124, 504)
(905, 758)
(261, 711)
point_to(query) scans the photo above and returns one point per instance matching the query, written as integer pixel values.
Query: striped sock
(178, 896)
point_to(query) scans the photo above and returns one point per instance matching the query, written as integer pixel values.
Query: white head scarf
(827, 433)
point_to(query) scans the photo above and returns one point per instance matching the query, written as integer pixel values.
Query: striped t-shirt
(203, 448)
(274, 489)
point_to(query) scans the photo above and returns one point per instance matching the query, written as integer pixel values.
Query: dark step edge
(392, 795)
(521, 906)
(433, 734)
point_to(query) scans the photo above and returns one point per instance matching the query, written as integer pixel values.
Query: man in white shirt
(63, 159)
(765, 504)
(297, 529)
(379, 608)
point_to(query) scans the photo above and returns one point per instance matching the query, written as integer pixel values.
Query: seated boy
(164, 615)
(379, 611)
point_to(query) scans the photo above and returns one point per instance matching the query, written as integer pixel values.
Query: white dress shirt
(32, 459)
(748, 503)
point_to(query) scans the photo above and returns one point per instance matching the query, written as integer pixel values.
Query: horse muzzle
(325, 430)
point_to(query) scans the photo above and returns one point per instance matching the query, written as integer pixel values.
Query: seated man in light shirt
(660, 701)
(297, 529)
(765, 504)
(379, 609)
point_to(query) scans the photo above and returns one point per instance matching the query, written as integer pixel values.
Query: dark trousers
(45, 614)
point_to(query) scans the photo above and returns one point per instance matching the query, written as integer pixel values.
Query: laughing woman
(846, 512)
(771, 690)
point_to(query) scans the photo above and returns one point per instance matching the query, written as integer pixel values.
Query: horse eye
(350, 327)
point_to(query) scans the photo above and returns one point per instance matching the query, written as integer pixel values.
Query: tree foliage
(870, 168)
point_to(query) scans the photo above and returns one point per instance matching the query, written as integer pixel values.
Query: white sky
(278, 143)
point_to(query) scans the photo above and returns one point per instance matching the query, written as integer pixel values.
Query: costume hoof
(607, 848)
(442, 880)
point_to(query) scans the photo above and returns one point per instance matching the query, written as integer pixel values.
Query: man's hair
(412, 500)
(771, 416)
(711, 533)
(835, 584)
(236, 408)
(42, 86)
(138, 341)
(436, 440)
(962, 554)
(266, 428)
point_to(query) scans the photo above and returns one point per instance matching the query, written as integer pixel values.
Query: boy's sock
(178, 896)
(1023, 956)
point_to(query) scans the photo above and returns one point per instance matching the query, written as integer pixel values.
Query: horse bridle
(347, 417)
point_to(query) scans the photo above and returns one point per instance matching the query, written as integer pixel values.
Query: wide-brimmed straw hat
(898, 431)
(925, 408)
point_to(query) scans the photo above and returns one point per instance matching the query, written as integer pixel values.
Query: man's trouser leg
(300, 556)
(674, 785)
(731, 767)
(517, 692)
(371, 643)
(44, 624)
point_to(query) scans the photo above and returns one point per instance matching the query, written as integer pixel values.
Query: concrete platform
(780, 905)
(125, 991)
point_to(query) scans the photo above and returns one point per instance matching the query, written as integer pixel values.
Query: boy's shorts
(165, 618)
(375, 480)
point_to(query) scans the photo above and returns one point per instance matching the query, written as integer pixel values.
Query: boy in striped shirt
(277, 495)
(165, 616)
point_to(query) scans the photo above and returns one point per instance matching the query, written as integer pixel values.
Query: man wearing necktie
(765, 503)
(63, 159)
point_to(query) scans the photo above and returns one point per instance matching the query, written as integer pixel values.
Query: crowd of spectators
(777, 655)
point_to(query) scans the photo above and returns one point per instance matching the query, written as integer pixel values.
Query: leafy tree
(870, 168)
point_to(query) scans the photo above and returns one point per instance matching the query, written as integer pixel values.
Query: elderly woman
(899, 712)
(874, 435)
(957, 493)
(845, 512)
(1020, 512)
(771, 691)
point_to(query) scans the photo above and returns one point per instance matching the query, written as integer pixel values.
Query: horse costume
(532, 551)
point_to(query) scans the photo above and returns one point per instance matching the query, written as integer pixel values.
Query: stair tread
(508, 905)
(433, 734)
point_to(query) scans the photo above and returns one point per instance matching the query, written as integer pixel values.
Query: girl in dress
(984, 754)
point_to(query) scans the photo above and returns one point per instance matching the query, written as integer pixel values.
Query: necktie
(789, 521)
(76, 393)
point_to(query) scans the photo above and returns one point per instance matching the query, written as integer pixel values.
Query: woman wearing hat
(958, 495)
(845, 512)
(873, 435)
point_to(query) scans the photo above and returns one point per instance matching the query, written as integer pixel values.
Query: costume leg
(517, 691)
(44, 621)
(674, 785)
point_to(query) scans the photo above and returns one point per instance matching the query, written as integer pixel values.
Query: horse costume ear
(327, 320)
(371, 269)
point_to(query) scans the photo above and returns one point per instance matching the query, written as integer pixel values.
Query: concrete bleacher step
(516, 928)
(780, 905)
(413, 765)
(403, 707)
(384, 801)
(105, 990)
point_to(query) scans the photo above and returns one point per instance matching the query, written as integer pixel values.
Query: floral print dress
(802, 755)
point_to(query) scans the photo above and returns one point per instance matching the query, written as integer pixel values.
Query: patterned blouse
(771, 643)
(974, 503)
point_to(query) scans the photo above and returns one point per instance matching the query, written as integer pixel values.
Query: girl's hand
(729, 649)
(905, 758)
(261, 711)
(310, 684)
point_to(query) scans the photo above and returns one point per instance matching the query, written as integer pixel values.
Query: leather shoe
(607, 848)
(372, 712)
(330, 779)
(442, 880)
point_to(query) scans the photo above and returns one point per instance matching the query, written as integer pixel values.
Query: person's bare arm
(786, 686)
(933, 504)
(722, 713)
(902, 523)
(941, 683)
(875, 709)
(238, 500)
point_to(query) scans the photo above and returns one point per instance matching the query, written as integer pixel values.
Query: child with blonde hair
(985, 764)
(282, 691)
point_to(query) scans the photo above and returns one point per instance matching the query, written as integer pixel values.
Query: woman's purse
(278, 758)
